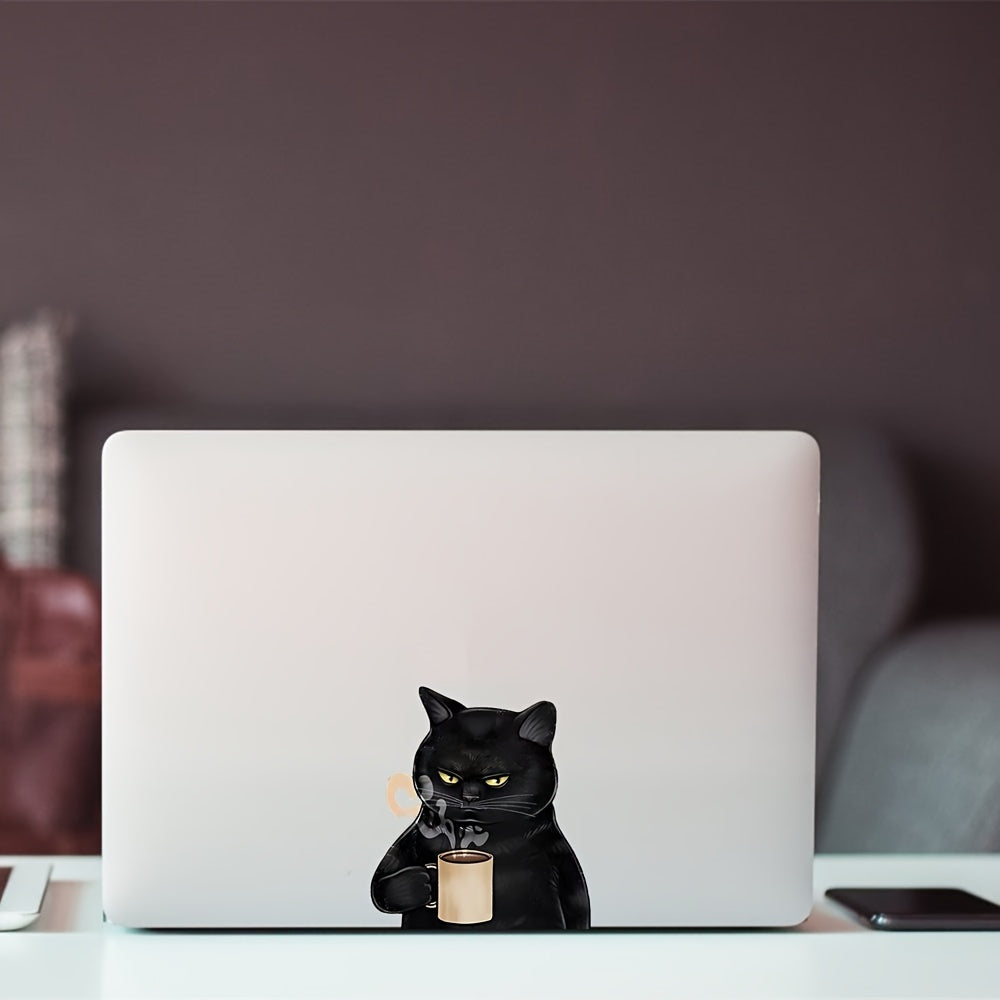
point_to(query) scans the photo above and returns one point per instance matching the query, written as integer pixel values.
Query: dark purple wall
(528, 214)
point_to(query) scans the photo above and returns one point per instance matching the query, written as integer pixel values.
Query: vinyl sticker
(484, 851)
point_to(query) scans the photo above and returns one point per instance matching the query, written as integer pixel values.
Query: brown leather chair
(50, 656)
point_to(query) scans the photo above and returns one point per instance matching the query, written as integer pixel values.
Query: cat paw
(407, 889)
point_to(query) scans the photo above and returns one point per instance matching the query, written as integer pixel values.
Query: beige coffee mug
(465, 887)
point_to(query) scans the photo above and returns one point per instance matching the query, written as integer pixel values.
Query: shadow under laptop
(822, 920)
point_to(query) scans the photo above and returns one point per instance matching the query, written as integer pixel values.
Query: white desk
(69, 953)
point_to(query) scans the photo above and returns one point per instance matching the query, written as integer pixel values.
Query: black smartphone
(920, 909)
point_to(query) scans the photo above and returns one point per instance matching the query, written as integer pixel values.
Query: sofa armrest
(917, 767)
(55, 654)
(50, 703)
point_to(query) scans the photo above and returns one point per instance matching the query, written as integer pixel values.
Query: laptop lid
(434, 679)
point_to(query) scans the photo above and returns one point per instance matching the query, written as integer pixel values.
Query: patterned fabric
(31, 438)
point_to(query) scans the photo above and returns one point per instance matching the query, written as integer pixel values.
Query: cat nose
(470, 793)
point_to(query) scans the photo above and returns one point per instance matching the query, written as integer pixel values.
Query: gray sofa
(908, 724)
(917, 760)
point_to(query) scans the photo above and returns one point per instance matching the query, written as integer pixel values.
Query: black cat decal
(486, 780)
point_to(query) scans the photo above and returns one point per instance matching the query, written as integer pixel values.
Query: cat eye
(448, 779)
(497, 780)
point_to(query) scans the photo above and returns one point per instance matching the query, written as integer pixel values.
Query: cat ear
(438, 706)
(538, 723)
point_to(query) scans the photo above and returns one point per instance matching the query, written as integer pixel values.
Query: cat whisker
(510, 809)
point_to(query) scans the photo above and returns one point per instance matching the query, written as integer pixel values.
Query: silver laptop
(470, 680)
